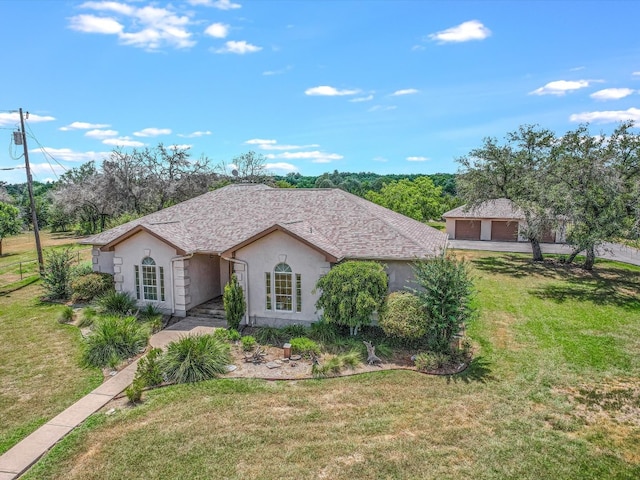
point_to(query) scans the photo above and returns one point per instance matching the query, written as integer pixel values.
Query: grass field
(18, 263)
(39, 370)
(553, 392)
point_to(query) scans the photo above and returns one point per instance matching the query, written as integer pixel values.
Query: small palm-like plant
(117, 303)
(113, 340)
(195, 358)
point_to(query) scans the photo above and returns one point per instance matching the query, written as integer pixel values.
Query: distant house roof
(335, 222)
(499, 208)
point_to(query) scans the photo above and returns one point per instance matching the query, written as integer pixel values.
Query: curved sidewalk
(23, 455)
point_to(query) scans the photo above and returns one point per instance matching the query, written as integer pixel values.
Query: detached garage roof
(500, 208)
(336, 222)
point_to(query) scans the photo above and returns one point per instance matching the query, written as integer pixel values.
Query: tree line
(130, 184)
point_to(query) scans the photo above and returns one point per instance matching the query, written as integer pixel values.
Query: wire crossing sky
(383, 86)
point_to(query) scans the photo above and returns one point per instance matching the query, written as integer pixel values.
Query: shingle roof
(336, 221)
(499, 208)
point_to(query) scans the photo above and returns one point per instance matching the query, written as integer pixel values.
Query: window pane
(298, 293)
(149, 283)
(137, 270)
(148, 261)
(267, 282)
(161, 283)
(282, 268)
(284, 294)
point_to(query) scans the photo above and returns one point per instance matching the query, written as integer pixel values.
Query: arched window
(283, 287)
(152, 285)
(279, 289)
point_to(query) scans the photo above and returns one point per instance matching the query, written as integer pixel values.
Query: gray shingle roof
(336, 221)
(499, 208)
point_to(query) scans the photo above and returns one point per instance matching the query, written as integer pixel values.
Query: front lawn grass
(553, 392)
(40, 369)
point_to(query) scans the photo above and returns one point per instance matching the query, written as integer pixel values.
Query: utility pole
(34, 216)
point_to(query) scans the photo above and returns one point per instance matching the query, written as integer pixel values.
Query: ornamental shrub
(57, 273)
(66, 315)
(234, 303)
(195, 358)
(351, 292)
(86, 287)
(113, 340)
(403, 316)
(446, 297)
(149, 372)
(248, 343)
(117, 303)
(304, 346)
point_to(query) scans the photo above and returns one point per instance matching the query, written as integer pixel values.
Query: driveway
(609, 251)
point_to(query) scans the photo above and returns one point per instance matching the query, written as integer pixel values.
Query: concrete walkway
(18, 459)
(608, 251)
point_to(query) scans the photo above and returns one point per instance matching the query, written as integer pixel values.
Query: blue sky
(384, 86)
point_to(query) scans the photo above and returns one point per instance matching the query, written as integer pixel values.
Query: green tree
(588, 189)
(351, 292)
(516, 170)
(446, 292)
(10, 223)
(234, 303)
(419, 199)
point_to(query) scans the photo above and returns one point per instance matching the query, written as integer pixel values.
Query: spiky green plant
(234, 303)
(117, 303)
(195, 358)
(113, 340)
(66, 315)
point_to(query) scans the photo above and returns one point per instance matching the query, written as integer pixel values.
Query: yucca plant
(66, 315)
(195, 358)
(117, 303)
(113, 340)
(87, 317)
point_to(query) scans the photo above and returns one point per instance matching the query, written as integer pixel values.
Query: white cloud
(217, 30)
(607, 116)
(93, 24)
(260, 141)
(382, 108)
(83, 126)
(123, 142)
(380, 159)
(281, 167)
(145, 27)
(239, 48)
(152, 132)
(195, 134)
(406, 91)
(560, 87)
(417, 159)
(98, 133)
(282, 71)
(46, 169)
(182, 146)
(107, 6)
(368, 98)
(636, 73)
(467, 31)
(272, 145)
(327, 91)
(69, 155)
(612, 93)
(10, 118)
(219, 4)
(315, 156)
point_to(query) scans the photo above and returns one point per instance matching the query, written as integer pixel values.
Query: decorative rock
(231, 368)
(113, 373)
(285, 360)
(111, 411)
(296, 357)
(294, 364)
(272, 365)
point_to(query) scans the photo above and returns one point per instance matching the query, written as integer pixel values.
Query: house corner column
(181, 285)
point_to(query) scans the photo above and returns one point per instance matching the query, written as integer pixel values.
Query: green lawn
(553, 392)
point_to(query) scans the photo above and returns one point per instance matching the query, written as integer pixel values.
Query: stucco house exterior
(497, 220)
(278, 242)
